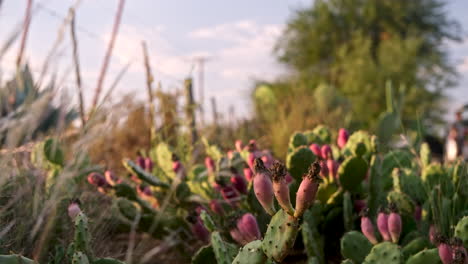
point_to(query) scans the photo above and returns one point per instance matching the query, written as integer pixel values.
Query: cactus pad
(107, 261)
(461, 230)
(414, 246)
(142, 174)
(355, 246)
(251, 253)
(385, 252)
(82, 237)
(297, 139)
(352, 172)
(15, 259)
(79, 258)
(280, 236)
(313, 241)
(204, 255)
(427, 256)
(223, 251)
(299, 161)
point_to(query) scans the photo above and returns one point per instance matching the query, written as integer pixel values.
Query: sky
(236, 37)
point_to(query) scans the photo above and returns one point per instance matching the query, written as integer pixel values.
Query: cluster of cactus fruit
(328, 202)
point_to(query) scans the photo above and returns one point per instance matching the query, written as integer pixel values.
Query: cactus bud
(394, 224)
(248, 227)
(230, 195)
(97, 179)
(111, 179)
(367, 228)
(237, 236)
(382, 225)
(263, 187)
(239, 145)
(280, 187)
(238, 181)
(210, 164)
(324, 169)
(343, 136)
(248, 174)
(216, 207)
(307, 189)
(315, 148)
(74, 209)
(445, 251)
(149, 165)
(326, 152)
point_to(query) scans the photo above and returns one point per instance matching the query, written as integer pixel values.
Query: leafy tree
(359, 45)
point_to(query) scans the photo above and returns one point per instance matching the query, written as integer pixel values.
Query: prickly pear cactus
(313, 241)
(403, 202)
(347, 211)
(347, 261)
(251, 253)
(207, 221)
(53, 152)
(427, 256)
(352, 172)
(433, 175)
(461, 230)
(323, 133)
(298, 162)
(162, 154)
(15, 259)
(224, 252)
(355, 246)
(142, 174)
(280, 235)
(82, 237)
(80, 258)
(414, 246)
(385, 252)
(296, 140)
(360, 136)
(204, 255)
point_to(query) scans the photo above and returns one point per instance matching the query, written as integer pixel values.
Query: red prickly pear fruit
(248, 174)
(382, 225)
(326, 152)
(445, 251)
(176, 166)
(367, 228)
(198, 229)
(239, 145)
(237, 236)
(251, 160)
(111, 179)
(238, 182)
(360, 205)
(333, 166)
(263, 187)
(418, 213)
(210, 164)
(97, 179)
(230, 195)
(248, 227)
(74, 209)
(289, 178)
(394, 224)
(343, 136)
(305, 196)
(324, 169)
(149, 165)
(315, 148)
(281, 188)
(216, 207)
(140, 161)
(433, 234)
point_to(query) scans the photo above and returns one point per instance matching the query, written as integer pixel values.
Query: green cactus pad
(107, 261)
(82, 238)
(298, 162)
(403, 202)
(297, 140)
(204, 255)
(15, 259)
(80, 258)
(415, 246)
(433, 175)
(411, 184)
(358, 137)
(313, 260)
(352, 172)
(313, 241)
(162, 154)
(53, 152)
(348, 211)
(251, 253)
(355, 246)
(207, 221)
(326, 191)
(347, 261)
(461, 230)
(280, 236)
(323, 133)
(427, 256)
(385, 252)
(224, 252)
(376, 186)
(125, 191)
(142, 174)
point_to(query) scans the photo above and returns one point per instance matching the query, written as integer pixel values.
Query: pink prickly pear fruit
(333, 166)
(433, 234)
(111, 179)
(305, 196)
(216, 207)
(382, 225)
(418, 213)
(238, 181)
(248, 227)
(263, 187)
(445, 251)
(210, 164)
(360, 205)
(281, 188)
(237, 236)
(343, 136)
(248, 174)
(230, 195)
(230, 154)
(315, 148)
(324, 169)
(74, 209)
(289, 178)
(251, 160)
(394, 224)
(149, 165)
(326, 152)
(176, 166)
(198, 229)
(367, 228)
(239, 145)
(97, 179)
(140, 161)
